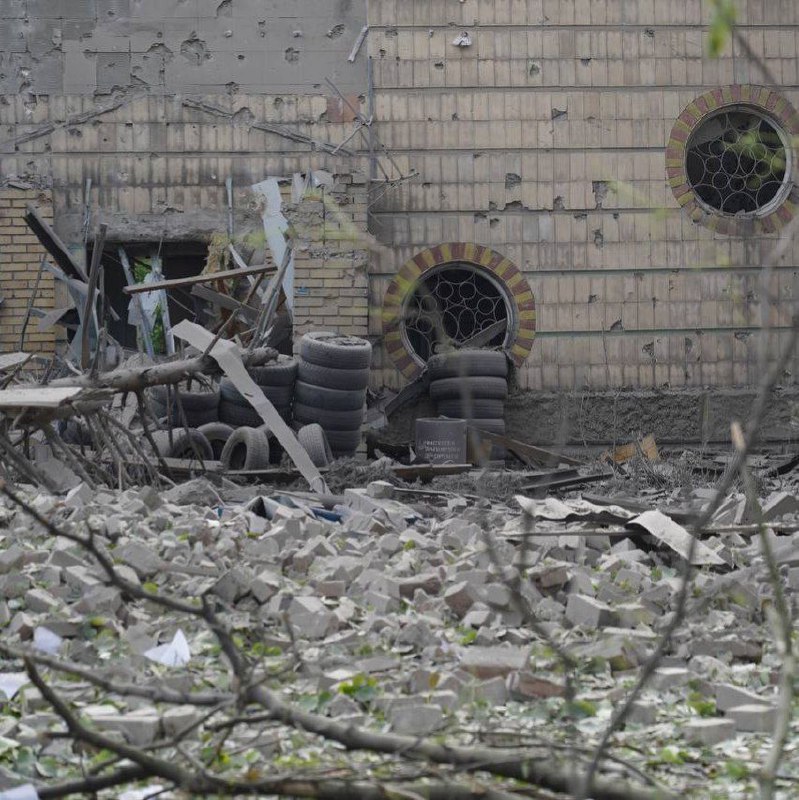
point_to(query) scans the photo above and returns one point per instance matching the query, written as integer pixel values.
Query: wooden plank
(250, 313)
(11, 360)
(53, 244)
(526, 452)
(177, 283)
(37, 397)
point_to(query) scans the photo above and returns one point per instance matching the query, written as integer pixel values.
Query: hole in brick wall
(178, 260)
(453, 303)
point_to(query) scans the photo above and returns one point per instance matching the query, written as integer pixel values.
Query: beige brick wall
(573, 97)
(20, 256)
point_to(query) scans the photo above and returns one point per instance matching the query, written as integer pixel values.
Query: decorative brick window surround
(731, 157)
(463, 289)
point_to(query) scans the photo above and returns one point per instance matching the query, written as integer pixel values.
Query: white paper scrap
(45, 640)
(12, 682)
(174, 654)
(25, 792)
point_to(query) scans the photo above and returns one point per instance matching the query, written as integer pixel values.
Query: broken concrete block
(489, 662)
(643, 713)
(460, 598)
(586, 612)
(524, 685)
(80, 579)
(631, 615)
(708, 732)
(779, 504)
(753, 718)
(178, 718)
(233, 585)
(140, 728)
(40, 601)
(140, 558)
(415, 719)
(430, 582)
(11, 558)
(99, 600)
(265, 585)
(380, 489)
(311, 619)
(666, 678)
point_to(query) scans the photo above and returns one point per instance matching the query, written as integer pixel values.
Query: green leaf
(721, 26)
(736, 769)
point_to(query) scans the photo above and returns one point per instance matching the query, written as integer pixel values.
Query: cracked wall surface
(545, 140)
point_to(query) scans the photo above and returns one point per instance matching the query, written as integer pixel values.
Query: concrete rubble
(396, 610)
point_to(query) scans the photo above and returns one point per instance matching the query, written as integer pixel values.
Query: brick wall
(331, 286)
(20, 256)
(518, 139)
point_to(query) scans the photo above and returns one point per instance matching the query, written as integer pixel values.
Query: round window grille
(737, 162)
(730, 160)
(452, 304)
(452, 293)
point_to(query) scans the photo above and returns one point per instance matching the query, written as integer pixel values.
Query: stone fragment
(40, 601)
(524, 685)
(415, 719)
(233, 585)
(489, 662)
(380, 489)
(334, 589)
(99, 600)
(643, 713)
(429, 581)
(630, 615)
(665, 678)
(11, 558)
(140, 727)
(710, 731)
(460, 597)
(265, 585)
(311, 619)
(779, 504)
(15, 584)
(141, 558)
(587, 612)
(753, 718)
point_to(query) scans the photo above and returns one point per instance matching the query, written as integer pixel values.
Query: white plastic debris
(45, 640)
(174, 654)
(25, 792)
(142, 794)
(463, 40)
(12, 682)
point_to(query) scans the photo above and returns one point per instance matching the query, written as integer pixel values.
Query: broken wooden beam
(53, 244)
(177, 283)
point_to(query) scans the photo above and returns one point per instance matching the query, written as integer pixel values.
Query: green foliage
(362, 688)
(736, 769)
(468, 637)
(721, 26)
(701, 705)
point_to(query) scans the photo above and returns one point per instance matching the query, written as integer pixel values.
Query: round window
(456, 304)
(737, 162)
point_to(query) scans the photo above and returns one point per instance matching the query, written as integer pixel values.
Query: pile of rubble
(411, 610)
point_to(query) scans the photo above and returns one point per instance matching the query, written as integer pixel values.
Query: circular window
(456, 303)
(457, 293)
(730, 160)
(737, 162)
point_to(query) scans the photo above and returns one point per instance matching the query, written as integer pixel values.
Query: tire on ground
(313, 439)
(476, 409)
(329, 420)
(468, 364)
(330, 399)
(336, 350)
(217, 434)
(188, 444)
(247, 448)
(479, 388)
(333, 378)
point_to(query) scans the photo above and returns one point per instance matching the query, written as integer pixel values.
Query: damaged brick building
(546, 171)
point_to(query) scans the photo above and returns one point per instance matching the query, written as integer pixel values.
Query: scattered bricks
(141, 558)
(139, 728)
(380, 603)
(737, 647)
(80, 579)
(489, 662)
(415, 720)
(233, 585)
(478, 616)
(779, 504)
(39, 601)
(389, 544)
(99, 600)
(630, 615)
(666, 678)
(587, 612)
(265, 585)
(643, 713)
(311, 619)
(549, 577)
(460, 598)
(729, 696)
(380, 490)
(334, 589)
(581, 583)
(621, 652)
(493, 691)
(495, 595)
(11, 558)
(708, 732)
(178, 718)
(15, 584)
(430, 582)
(524, 686)
(753, 718)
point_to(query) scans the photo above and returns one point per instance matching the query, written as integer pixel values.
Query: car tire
(329, 349)
(333, 378)
(468, 364)
(479, 388)
(330, 399)
(217, 434)
(278, 395)
(314, 440)
(186, 444)
(329, 420)
(246, 449)
(282, 372)
(343, 442)
(246, 416)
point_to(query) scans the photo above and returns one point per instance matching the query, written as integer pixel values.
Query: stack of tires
(276, 381)
(331, 387)
(471, 385)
